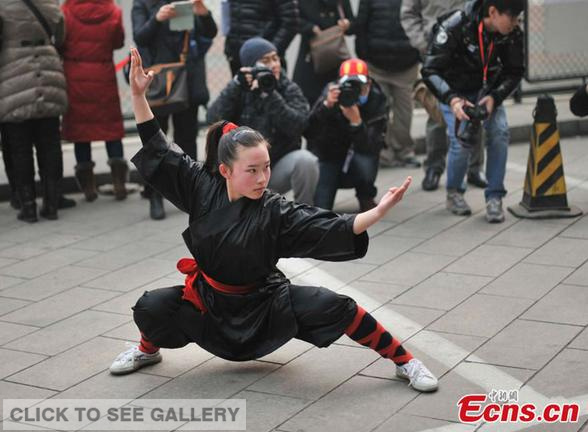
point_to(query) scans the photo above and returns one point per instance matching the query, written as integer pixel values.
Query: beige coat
(32, 84)
(419, 16)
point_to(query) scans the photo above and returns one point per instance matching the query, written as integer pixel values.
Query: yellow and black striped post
(545, 194)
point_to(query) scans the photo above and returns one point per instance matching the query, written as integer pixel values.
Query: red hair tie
(229, 127)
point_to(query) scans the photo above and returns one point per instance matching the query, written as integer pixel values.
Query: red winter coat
(93, 31)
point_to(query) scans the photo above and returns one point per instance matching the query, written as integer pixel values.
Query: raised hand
(366, 219)
(138, 79)
(393, 196)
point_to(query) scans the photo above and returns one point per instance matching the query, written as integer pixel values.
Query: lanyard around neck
(485, 61)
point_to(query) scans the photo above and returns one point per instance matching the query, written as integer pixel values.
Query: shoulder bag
(328, 49)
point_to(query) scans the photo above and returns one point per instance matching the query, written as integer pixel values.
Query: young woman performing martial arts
(235, 303)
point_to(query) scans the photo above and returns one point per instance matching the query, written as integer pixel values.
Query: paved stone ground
(485, 306)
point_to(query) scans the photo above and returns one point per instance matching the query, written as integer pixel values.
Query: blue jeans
(361, 175)
(497, 139)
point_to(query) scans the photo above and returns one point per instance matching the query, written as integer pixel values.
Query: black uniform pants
(167, 321)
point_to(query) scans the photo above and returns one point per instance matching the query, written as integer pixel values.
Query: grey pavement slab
(51, 283)
(561, 427)
(123, 302)
(579, 229)
(579, 276)
(333, 275)
(213, 379)
(58, 307)
(9, 390)
(425, 225)
(564, 304)
(525, 233)
(132, 276)
(9, 304)
(267, 411)
(8, 281)
(5, 262)
(106, 386)
(15, 361)
(41, 264)
(128, 331)
(316, 372)
(371, 295)
(565, 375)
(382, 398)
(581, 342)
(65, 334)
(409, 269)
(525, 280)
(404, 321)
(489, 260)
(73, 366)
(481, 315)
(526, 344)
(386, 247)
(463, 237)
(10, 331)
(563, 251)
(125, 255)
(443, 290)
(412, 423)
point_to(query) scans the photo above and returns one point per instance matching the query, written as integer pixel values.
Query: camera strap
(485, 61)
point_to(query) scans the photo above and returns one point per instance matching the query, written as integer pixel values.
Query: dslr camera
(469, 130)
(264, 76)
(350, 91)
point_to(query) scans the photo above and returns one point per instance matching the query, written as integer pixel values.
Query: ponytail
(222, 147)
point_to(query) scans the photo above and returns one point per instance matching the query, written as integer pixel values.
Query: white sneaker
(420, 377)
(133, 359)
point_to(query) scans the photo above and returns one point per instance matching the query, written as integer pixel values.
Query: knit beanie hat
(253, 49)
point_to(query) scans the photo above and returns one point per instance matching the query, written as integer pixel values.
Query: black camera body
(266, 80)
(350, 91)
(469, 130)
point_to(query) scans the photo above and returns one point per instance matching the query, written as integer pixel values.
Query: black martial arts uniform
(239, 243)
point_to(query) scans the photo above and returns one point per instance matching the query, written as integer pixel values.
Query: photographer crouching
(262, 97)
(474, 61)
(347, 130)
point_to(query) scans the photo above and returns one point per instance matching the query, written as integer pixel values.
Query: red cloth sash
(189, 267)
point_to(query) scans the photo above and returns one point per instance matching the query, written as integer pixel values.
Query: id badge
(347, 162)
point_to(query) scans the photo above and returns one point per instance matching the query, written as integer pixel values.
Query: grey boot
(119, 171)
(84, 172)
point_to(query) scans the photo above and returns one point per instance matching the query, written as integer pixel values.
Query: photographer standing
(158, 43)
(347, 130)
(262, 97)
(474, 61)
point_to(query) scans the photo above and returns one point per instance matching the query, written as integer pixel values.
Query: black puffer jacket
(380, 38)
(274, 20)
(330, 135)
(453, 65)
(281, 116)
(158, 44)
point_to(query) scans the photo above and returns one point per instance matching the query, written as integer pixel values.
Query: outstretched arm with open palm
(139, 82)
(366, 219)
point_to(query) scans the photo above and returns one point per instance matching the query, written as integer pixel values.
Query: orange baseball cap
(353, 69)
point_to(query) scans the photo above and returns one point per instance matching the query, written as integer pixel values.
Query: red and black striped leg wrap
(146, 346)
(365, 330)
